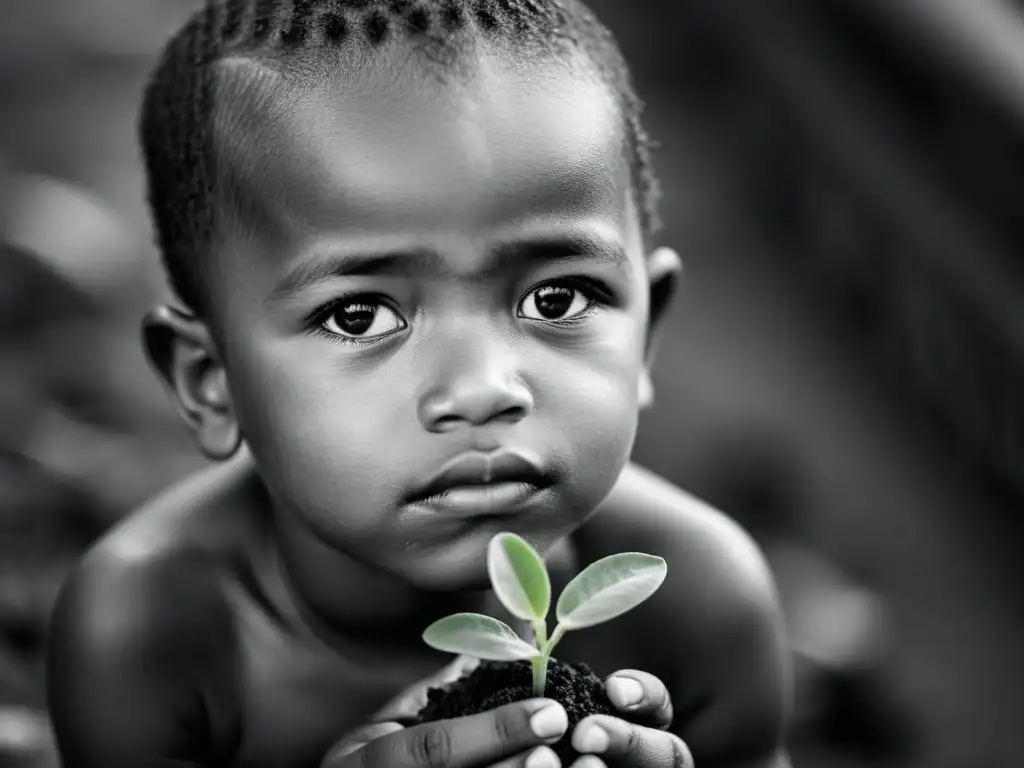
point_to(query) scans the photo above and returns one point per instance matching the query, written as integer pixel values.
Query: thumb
(407, 704)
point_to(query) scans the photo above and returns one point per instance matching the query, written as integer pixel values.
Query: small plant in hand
(518, 669)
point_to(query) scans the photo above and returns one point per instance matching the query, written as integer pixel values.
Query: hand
(643, 741)
(501, 738)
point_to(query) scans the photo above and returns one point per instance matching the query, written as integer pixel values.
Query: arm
(734, 695)
(715, 627)
(128, 645)
(745, 674)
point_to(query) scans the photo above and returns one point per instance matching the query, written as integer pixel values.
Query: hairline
(187, 228)
(274, 78)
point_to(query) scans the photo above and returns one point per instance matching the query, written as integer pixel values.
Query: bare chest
(297, 697)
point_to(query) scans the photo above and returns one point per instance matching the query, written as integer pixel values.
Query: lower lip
(478, 500)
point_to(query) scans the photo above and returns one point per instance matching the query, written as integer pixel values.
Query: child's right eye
(360, 319)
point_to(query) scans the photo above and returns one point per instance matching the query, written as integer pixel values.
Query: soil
(496, 683)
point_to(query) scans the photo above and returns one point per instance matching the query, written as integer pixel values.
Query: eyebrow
(502, 258)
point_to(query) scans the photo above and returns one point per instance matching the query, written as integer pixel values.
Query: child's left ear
(664, 270)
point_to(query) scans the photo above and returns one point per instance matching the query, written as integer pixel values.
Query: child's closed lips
(475, 483)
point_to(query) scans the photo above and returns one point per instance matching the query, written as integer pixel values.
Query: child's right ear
(181, 351)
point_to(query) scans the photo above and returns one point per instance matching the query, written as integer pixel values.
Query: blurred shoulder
(208, 515)
(142, 641)
(713, 562)
(155, 580)
(149, 583)
(716, 622)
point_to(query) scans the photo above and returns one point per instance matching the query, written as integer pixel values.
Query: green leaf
(609, 588)
(519, 577)
(479, 636)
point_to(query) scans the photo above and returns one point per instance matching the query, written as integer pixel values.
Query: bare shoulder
(140, 637)
(716, 619)
(714, 564)
(207, 513)
(155, 575)
(121, 612)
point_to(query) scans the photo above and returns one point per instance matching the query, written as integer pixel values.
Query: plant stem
(555, 637)
(540, 634)
(540, 663)
(540, 674)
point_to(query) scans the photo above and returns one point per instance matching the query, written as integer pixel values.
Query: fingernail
(624, 692)
(542, 757)
(590, 737)
(550, 722)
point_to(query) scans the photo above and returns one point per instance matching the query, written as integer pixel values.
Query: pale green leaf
(476, 635)
(609, 588)
(519, 577)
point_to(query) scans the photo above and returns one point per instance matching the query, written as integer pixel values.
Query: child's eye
(361, 319)
(559, 301)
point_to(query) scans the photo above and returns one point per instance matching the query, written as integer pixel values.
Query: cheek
(316, 435)
(591, 396)
(601, 366)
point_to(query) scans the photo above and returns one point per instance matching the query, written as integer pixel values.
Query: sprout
(602, 591)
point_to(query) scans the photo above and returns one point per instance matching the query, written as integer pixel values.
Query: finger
(618, 742)
(357, 740)
(589, 761)
(541, 757)
(462, 665)
(640, 695)
(468, 742)
(407, 704)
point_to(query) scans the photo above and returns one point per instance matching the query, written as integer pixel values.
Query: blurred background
(843, 373)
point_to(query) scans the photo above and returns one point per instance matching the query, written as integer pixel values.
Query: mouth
(478, 484)
(481, 500)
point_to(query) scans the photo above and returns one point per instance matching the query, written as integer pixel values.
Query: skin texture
(258, 612)
(393, 161)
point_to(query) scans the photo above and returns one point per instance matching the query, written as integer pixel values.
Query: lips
(491, 475)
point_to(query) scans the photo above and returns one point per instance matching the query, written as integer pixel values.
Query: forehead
(390, 146)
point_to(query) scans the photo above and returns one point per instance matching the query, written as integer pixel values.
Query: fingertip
(543, 757)
(681, 753)
(588, 737)
(624, 692)
(538, 703)
(549, 721)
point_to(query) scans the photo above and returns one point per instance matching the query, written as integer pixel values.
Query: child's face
(436, 269)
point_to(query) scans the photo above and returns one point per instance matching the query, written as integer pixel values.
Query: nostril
(513, 413)
(477, 397)
(446, 422)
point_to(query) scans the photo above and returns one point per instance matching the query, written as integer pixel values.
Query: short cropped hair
(175, 125)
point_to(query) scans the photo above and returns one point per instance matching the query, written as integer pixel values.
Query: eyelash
(319, 318)
(596, 293)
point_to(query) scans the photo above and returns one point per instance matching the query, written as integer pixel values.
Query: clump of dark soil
(496, 683)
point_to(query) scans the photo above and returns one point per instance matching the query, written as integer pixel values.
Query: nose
(475, 384)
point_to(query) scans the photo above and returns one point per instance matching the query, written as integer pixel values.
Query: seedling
(602, 591)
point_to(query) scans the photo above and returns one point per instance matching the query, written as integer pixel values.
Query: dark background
(843, 371)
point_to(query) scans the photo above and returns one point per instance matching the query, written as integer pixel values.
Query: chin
(451, 573)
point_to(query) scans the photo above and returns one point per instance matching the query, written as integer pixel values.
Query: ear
(181, 350)
(664, 270)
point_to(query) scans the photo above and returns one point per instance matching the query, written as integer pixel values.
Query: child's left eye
(557, 302)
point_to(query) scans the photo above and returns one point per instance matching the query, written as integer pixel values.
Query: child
(413, 240)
